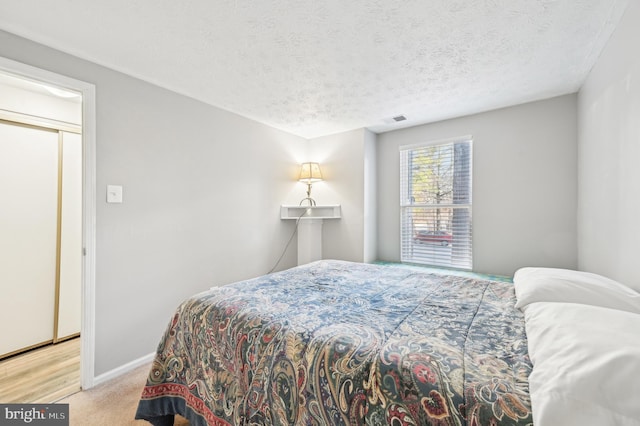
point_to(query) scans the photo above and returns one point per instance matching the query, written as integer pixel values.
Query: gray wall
(609, 153)
(524, 184)
(202, 189)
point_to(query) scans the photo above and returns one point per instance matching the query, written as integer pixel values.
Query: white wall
(18, 99)
(202, 189)
(347, 161)
(370, 197)
(609, 155)
(524, 184)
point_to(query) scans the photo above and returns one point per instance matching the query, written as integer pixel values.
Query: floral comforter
(340, 343)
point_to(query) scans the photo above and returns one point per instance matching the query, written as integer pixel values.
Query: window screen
(435, 203)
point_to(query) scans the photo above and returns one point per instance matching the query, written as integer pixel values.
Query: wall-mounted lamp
(309, 173)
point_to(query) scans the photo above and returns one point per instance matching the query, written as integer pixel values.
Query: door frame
(88, 90)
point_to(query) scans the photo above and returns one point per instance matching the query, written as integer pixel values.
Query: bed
(583, 334)
(342, 343)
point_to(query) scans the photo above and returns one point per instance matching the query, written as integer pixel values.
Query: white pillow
(563, 285)
(586, 365)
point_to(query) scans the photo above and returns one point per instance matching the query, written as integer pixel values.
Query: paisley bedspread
(341, 343)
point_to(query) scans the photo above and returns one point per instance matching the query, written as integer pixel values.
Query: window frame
(461, 243)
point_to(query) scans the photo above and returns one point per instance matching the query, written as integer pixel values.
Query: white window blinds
(435, 203)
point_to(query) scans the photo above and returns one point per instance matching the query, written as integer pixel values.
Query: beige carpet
(112, 403)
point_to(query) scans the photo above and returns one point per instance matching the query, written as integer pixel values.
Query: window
(435, 203)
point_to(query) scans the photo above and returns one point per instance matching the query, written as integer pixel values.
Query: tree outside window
(436, 204)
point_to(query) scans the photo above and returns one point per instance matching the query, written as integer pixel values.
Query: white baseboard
(123, 369)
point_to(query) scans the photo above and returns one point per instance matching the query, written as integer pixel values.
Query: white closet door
(28, 224)
(69, 312)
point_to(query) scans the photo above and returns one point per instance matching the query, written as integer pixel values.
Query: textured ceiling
(316, 67)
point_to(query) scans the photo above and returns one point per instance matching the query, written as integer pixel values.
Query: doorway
(80, 142)
(41, 228)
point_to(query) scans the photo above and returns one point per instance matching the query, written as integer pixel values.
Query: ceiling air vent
(396, 119)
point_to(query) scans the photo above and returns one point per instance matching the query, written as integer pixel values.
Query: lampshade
(310, 172)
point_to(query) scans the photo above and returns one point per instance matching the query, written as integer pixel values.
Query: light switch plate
(114, 194)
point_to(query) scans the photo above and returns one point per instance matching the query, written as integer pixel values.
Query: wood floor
(43, 375)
